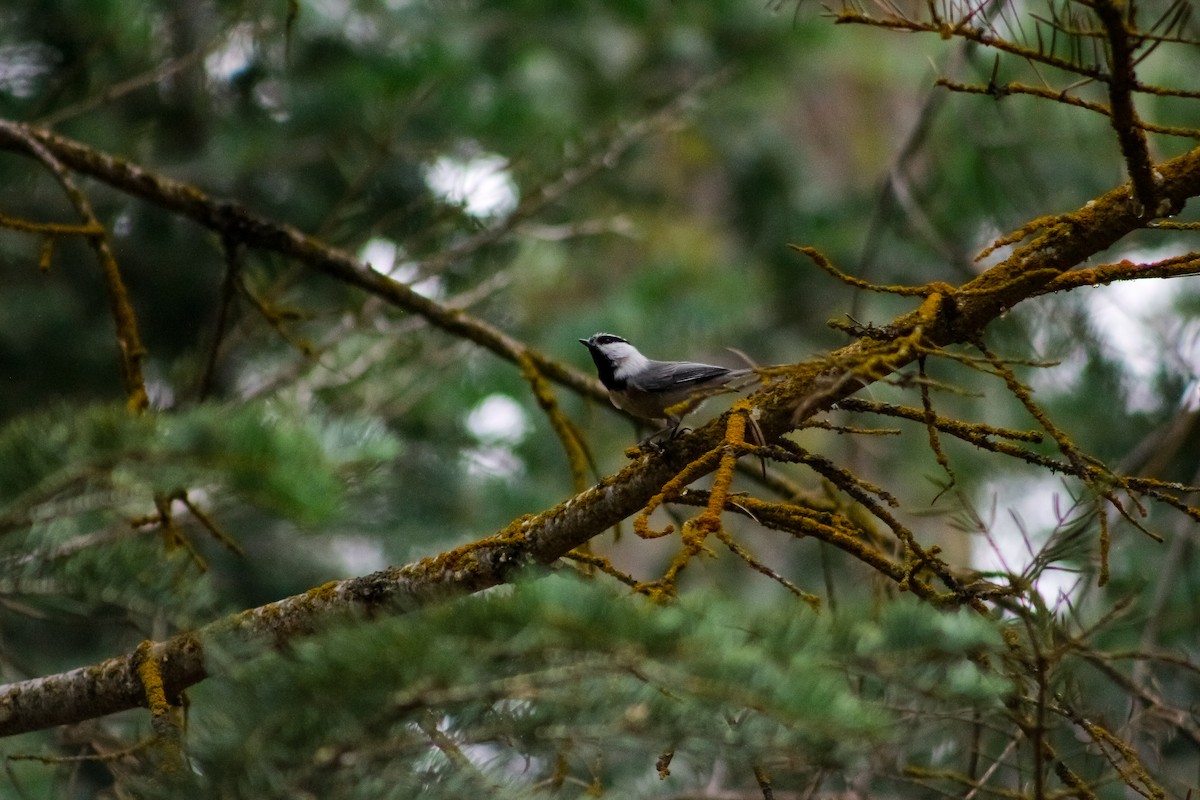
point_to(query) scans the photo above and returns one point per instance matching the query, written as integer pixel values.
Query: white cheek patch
(626, 360)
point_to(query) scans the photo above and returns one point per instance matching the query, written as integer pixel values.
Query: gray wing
(677, 374)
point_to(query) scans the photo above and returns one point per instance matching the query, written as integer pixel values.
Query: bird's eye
(608, 338)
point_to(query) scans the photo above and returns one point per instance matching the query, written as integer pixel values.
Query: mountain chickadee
(647, 388)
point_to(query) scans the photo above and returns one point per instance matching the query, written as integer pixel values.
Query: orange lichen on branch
(1098, 477)
(593, 561)
(931, 429)
(980, 436)
(50, 229)
(892, 347)
(578, 458)
(1175, 267)
(693, 540)
(822, 261)
(1162, 491)
(724, 457)
(465, 558)
(916, 557)
(1116, 751)
(670, 490)
(151, 679)
(985, 437)
(977, 433)
(697, 530)
(733, 448)
(744, 554)
(881, 351)
(792, 452)
(834, 529)
(1020, 234)
(1173, 225)
(164, 717)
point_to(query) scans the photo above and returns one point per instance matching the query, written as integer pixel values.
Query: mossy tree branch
(947, 316)
(129, 343)
(235, 224)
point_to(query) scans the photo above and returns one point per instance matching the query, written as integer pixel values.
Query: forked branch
(947, 316)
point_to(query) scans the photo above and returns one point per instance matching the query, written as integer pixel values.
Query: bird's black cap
(601, 338)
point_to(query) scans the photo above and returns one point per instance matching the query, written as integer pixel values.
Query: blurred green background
(337, 435)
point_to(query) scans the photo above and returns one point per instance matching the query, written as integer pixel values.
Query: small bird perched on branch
(658, 390)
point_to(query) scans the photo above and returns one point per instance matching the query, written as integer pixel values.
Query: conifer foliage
(306, 489)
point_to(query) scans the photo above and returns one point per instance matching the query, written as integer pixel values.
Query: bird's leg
(674, 426)
(671, 430)
(648, 441)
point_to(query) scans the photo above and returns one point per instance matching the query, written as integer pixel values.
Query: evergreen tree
(308, 491)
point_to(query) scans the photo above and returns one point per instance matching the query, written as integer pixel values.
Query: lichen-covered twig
(129, 341)
(237, 223)
(946, 317)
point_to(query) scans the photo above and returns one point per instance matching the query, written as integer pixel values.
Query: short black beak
(583, 342)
